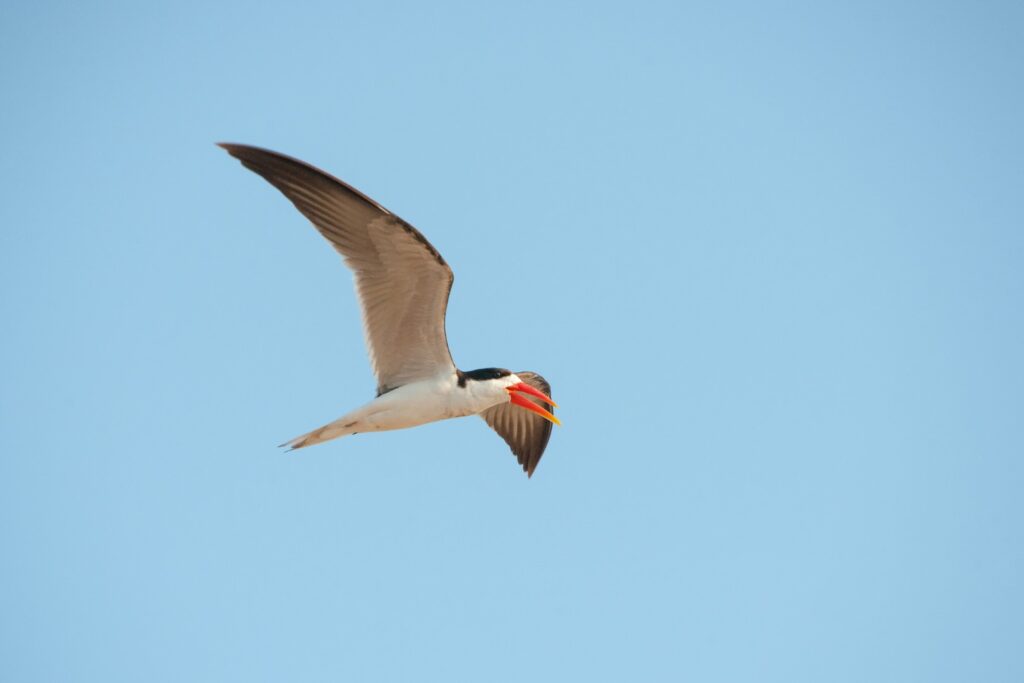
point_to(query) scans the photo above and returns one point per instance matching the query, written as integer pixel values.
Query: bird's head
(512, 388)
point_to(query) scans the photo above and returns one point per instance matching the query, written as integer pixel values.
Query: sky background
(769, 255)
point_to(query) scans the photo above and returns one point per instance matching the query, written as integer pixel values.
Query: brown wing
(525, 432)
(401, 280)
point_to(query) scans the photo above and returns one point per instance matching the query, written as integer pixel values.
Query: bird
(403, 283)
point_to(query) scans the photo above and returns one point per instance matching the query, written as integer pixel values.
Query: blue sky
(767, 254)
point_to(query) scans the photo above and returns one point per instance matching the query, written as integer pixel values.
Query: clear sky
(769, 255)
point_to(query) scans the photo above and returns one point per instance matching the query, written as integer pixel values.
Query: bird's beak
(524, 402)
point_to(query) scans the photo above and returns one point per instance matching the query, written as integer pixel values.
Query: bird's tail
(341, 427)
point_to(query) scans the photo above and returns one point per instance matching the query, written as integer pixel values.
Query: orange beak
(524, 402)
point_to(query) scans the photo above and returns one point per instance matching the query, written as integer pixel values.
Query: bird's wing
(401, 280)
(525, 432)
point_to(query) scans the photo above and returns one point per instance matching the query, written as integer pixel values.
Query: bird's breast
(431, 400)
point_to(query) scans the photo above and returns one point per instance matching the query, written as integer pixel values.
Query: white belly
(418, 403)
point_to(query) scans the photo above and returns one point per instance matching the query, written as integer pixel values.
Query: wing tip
(240, 151)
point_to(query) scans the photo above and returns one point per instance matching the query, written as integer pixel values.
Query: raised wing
(525, 432)
(402, 282)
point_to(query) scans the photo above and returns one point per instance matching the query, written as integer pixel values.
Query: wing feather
(402, 282)
(525, 432)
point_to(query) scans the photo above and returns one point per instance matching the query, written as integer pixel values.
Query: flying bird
(402, 284)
